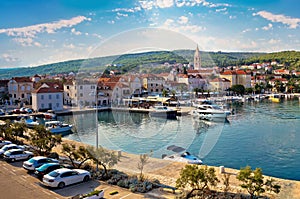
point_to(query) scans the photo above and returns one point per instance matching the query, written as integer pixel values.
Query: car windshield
(45, 166)
(32, 161)
(53, 174)
(5, 148)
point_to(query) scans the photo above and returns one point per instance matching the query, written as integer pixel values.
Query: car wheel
(86, 178)
(13, 159)
(61, 185)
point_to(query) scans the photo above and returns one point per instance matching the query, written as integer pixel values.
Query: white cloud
(232, 17)
(274, 41)
(111, 22)
(75, 32)
(178, 26)
(122, 15)
(97, 35)
(221, 9)
(268, 27)
(25, 35)
(150, 4)
(132, 10)
(291, 22)
(183, 20)
(8, 58)
(164, 3)
(246, 30)
(70, 46)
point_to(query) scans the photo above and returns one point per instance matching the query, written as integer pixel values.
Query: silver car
(17, 154)
(62, 177)
(9, 147)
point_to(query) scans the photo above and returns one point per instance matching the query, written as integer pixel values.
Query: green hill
(152, 62)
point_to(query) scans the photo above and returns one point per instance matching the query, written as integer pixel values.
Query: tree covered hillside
(152, 62)
(290, 59)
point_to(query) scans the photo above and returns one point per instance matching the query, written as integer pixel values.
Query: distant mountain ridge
(129, 62)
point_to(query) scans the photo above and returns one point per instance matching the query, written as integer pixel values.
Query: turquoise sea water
(265, 135)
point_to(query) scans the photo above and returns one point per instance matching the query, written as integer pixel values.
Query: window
(42, 105)
(22, 96)
(68, 87)
(92, 87)
(15, 87)
(50, 97)
(57, 105)
(57, 96)
(81, 95)
(22, 88)
(15, 95)
(42, 97)
(28, 88)
(81, 87)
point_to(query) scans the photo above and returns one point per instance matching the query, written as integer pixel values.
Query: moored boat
(57, 127)
(163, 112)
(275, 98)
(209, 111)
(181, 155)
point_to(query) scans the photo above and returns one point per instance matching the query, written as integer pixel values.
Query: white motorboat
(181, 155)
(164, 112)
(209, 111)
(57, 127)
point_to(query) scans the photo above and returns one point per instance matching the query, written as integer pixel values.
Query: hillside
(152, 62)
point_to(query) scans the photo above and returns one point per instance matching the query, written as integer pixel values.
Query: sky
(36, 32)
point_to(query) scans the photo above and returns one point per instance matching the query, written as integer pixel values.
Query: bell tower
(197, 59)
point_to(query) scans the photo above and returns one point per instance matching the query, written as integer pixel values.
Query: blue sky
(35, 32)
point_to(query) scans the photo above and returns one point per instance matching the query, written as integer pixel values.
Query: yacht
(164, 112)
(57, 127)
(209, 111)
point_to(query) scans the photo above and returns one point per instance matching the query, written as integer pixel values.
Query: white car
(9, 147)
(17, 154)
(62, 177)
(36, 162)
(4, 142)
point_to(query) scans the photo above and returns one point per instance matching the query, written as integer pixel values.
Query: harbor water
(265, 135)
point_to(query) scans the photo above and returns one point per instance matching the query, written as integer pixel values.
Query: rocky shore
(167, 172)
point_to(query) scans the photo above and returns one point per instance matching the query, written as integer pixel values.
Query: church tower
(197, 59)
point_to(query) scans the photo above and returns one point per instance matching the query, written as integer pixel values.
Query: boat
(181, 155)
(164, 112)
(57, 127)
(210, 111)
(49, 115)
(275, 98)
(29, 121)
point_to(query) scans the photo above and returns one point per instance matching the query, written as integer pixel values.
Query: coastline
(167, 173)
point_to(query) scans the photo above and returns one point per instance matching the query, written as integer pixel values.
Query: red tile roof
(22, 79)
(50, 88)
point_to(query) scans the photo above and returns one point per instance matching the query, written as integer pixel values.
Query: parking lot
(16, 183)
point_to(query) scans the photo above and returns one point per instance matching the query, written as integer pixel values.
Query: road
(16, 183)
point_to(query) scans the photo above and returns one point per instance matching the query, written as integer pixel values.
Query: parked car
(2, 112)
(46, 168)
(16, 111)
(62, 177)
(4, 142)
(17, 154)
(29, 110)
(36, 162)
(9, 147)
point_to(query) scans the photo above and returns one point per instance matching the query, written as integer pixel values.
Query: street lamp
(96, 98)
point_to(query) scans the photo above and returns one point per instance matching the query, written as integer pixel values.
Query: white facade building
(48, 97)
